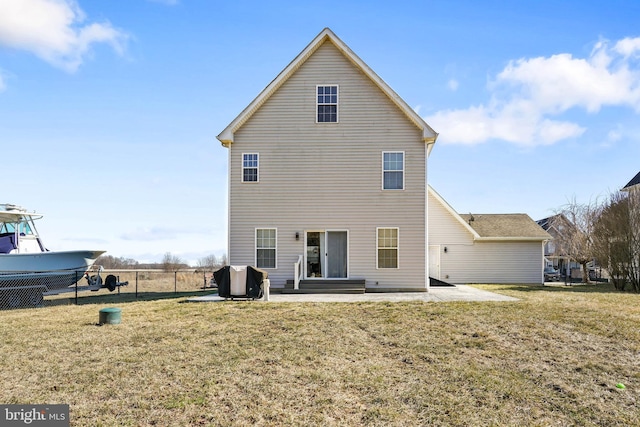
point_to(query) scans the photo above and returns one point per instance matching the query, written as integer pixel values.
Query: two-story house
(328, 177)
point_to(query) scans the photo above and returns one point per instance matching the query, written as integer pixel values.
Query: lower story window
(266, 247)
(387, 248)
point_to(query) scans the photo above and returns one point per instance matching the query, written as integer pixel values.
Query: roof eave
(430, 141)
(453, 213)
(227, 135)
(513, 239)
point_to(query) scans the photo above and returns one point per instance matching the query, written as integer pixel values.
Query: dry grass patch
(552, 358)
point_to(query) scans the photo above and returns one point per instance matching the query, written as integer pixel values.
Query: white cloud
(613, 136)
(528, 95)
(628, 47)
(453, 84)
(54, 30)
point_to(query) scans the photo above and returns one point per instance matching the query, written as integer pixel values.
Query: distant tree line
(114, 263)
(169, 262)
(607, 232)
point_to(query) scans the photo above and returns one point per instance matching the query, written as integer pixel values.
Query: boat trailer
(19, 290)
(96, 283)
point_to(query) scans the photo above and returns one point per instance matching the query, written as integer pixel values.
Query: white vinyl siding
(388, 246)
(319, 177)
(493, 262)
(393, 170)
(444, 229)
(266, 247)
(250, 167)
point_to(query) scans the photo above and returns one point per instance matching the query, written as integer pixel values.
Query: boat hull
(49, 270)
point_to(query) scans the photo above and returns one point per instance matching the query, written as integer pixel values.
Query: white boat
(27, 267)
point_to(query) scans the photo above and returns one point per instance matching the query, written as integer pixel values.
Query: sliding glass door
(327, 254)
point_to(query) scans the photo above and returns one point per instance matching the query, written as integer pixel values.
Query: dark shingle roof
(545, 223)
(552, 222)
(505, 226)
(634, 181)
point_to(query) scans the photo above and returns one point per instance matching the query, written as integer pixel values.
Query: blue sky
(109, 109)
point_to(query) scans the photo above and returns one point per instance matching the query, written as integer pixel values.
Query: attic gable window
(327, 101)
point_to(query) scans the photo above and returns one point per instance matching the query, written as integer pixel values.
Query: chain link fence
(25, 290)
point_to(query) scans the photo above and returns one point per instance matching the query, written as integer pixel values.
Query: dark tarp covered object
(240, 282)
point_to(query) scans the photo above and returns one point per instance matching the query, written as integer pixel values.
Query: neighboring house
(555, 255)
(483, 248)
(328, 180)
(554, 225)
(633, 185)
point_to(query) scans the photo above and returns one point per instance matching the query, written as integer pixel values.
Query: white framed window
(327, 103)
(393, 170)
(388, 245)
(250, 167)
(266, 244)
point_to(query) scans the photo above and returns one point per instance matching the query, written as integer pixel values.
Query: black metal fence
(24, 290)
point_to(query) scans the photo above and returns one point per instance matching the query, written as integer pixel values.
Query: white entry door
(434, 261)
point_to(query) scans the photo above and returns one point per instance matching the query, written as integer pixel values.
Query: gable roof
(506, 227)
(496, 227)
(453, 213)
(557, 225)
(634, 181)
(552, 223)
(227, 135)
(546, 223)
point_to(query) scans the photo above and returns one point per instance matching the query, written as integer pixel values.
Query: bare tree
(171, 262)
(576, 239)
(617, 239)
(210, 262)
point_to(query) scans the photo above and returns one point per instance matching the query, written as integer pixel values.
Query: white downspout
(229, 205)
(427, 285)
(429, 143)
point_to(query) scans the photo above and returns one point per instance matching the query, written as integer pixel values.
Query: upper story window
(250, 167)
(393, 170)
(327, 100)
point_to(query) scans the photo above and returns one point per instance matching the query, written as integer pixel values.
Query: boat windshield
(23, 227)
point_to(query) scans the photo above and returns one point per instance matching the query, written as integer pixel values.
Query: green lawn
(552, 358)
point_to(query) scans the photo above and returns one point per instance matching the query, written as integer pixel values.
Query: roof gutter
(511, 239)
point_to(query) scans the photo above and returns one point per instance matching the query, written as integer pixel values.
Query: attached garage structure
(484, 248)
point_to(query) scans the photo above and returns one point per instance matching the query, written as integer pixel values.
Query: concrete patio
(435, 294)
